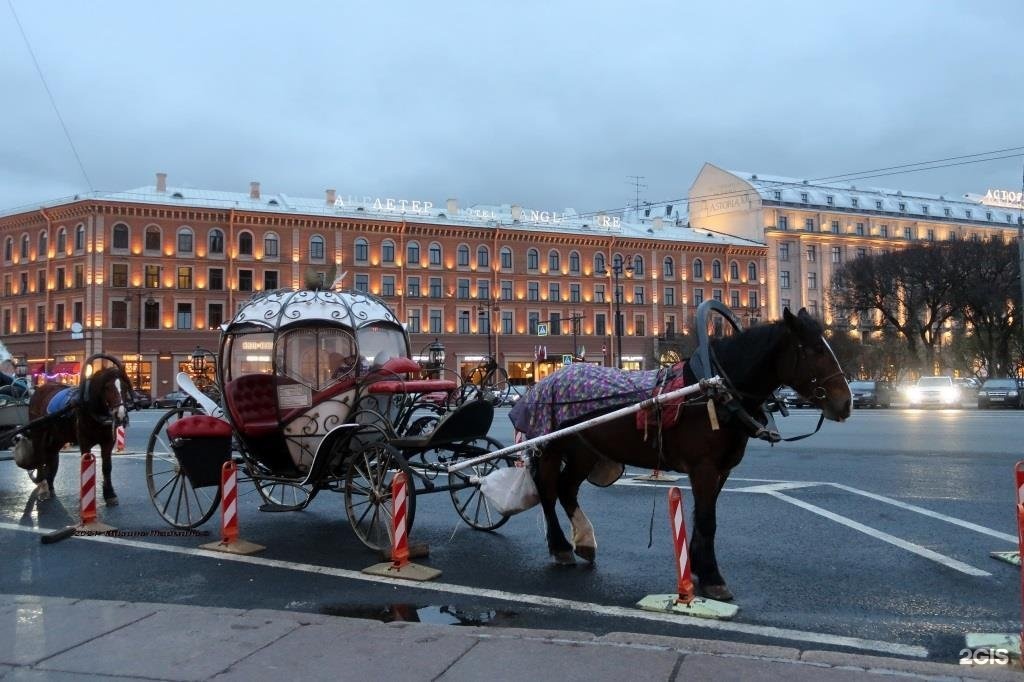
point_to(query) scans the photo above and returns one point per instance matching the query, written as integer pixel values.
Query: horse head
(108, 390)
(809, 366)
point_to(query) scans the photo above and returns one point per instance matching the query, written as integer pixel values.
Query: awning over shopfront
(67, 368)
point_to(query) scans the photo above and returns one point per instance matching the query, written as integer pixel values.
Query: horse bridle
(818, 392)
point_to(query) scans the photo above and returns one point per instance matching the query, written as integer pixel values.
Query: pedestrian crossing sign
(566, 359)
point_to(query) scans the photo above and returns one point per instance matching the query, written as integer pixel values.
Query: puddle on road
(411, 613)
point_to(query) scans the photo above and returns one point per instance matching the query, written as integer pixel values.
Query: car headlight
(1011, 393)
(982, 394)
(913, 395)
(950, 394)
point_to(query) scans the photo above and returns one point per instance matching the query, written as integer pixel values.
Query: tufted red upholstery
(199, 426)
(252, 402)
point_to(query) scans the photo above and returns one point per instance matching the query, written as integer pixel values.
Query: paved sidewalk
(53, 638)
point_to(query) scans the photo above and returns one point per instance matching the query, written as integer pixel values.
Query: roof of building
(852, 196)
(670, 227)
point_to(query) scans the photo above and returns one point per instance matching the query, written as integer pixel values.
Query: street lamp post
(617, 270)
(138, 330)
(484, 309)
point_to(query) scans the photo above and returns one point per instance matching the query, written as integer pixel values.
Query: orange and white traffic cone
(400, 566)
(229, 540)
(119, 439)
(87, 497)
(1014, 557)
(683, 601)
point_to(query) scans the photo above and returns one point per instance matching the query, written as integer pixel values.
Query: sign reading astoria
(1004, 197)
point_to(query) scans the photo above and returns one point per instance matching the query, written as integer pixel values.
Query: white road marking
(774, 487)
(928, 512)
(884, 537)
(858, 643)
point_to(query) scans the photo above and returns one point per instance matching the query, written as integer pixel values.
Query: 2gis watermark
(984, 656)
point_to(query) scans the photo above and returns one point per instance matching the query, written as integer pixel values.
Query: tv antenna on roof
(637, 186)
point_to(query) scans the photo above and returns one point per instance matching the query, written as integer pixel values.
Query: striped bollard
(87, 497)
(683, 601)
(1014, 557)
(400, 566)
(1019, 469)
(119, 445)
(229, 540)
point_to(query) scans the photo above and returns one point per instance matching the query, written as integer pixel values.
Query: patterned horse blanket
(581, 391)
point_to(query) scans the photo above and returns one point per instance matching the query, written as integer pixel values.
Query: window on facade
(412, 254)
(533, 291)
(778, 195)
(698, 269)
(600, 324)
(483, 257)
(434, 253)
(784, 279)
(483, 289)
(462, 256)
(151, 277)
(184, 316)
(670, 296)
(931, 235)
(734, 299)
(9, 289)
(784, 251)
(24, 246)
(734, 270)
(988, 215)
(752, 298)
(861, 252)
(809, 224)
(855, 202)
(835, 227)
(812, 280)
(152, 238)
(483, 325)
(216, 242)
(670, 326)
(214, 315)
(361, 250)
(245, 244)
(751, 271)
(8, 249)
(599, 293)
(668, 267)
(363, 282)
(184, 277)
(271, 280)
(245, 280)
(316, 248)
(837, 256)
(716, 294)
(463, 321)
(387, 285)
(803, 197)
(883, 230)
(435, 287)
(698, 296)
(387, 252)
(59, 322)
(413, 320)
(947, 212)
(638, 295)
(554, 261)
(532, 260)
(860, 229)
(574, 262)
(967, 213)
(812, 308)
(463, 288)
(506, 290)
(554, 292)
(412, 287)
(119, 275)
(903, 207)
(599, 266)
(785, 303)
(908, 233)
(271, 246)
(185, 241)
(435, 321)
(61, 279)
(812, 253)
(574, 293)
(506, 258)
(216, 279)
(640, 326)
(507, 322)
(716, 269)
(783, 222)
(555, 324)
(62, 240)
(40, 317)
(80, 238)
(120, 239)
(638, 265)
(119, 314)
(532, 320)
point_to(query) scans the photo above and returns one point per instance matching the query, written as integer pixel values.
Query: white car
(937, 391)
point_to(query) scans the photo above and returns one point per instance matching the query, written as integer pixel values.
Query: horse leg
(548, 481)
(707, 481)
(109, 496)
(583, 539)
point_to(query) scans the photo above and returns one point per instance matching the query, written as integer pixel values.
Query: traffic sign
(566, 359)
(542, 329)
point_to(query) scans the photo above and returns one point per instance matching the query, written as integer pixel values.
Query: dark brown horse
(755, 362)
(89, 419)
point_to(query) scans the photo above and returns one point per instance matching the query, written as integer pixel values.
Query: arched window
(152, 238)
(716, 269)
(361, 250)
(638, 265)
(668, 268)
(554, 260)
(245, 243)
(316, 248)
(483, 257)
(185, 241)
(506, 258)
(80, 238)
(698, 269)
(271, 246)
(121, 237)
(599, 265)
(216, 241)
(387, 252)
(24, 246)
(9, 249)
(574, 262)
(462, 256)
(532, 260)
(434, 253)
(734, 270)
(751, 271)
(412, 254)
(43, 244)
(62, 240)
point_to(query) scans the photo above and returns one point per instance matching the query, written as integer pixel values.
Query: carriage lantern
(198, 360)
(21, 368)
(435, 354)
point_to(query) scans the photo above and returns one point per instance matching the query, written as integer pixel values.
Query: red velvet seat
(199, 426)
(252, 403)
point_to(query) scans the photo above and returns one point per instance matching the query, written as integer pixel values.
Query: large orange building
(151, 273)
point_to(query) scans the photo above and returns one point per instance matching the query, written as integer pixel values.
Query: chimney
(254, 190)
(517, 212)
(453, 207)
(161, 182)
(657, 223)
(331, 197)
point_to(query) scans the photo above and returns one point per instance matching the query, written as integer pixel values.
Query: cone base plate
(662, 476)
(1008, 557)
(994, 640)
(408, 572)
(237, 547)
(698, 608)
(94, 527)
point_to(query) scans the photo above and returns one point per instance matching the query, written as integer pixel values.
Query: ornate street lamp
(198, 361)
(21, 367)
(617, 270)
(435, 354)
(137, 294)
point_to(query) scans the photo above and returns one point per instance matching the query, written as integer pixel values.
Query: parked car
(937, 391)
(1000, 393)
(141, 399)
(871, 393)
(791, 398)
(968, 387)
(172, 399)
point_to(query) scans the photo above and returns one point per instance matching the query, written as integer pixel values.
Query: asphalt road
(873, 535)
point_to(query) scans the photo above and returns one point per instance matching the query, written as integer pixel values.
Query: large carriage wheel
(469, 502)
(491, 386)
(170, 490)
(368, 476)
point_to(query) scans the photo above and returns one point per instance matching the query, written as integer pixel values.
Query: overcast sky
(547, 104)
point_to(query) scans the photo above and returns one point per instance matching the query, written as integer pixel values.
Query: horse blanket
(62, 399)
(580, 391)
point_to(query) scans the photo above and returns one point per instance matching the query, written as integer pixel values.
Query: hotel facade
(150, 274)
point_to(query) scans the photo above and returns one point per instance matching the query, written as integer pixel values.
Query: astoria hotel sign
(1003, 197)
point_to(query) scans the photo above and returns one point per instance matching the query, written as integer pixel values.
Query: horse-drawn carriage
(14, 396)
(320, 393)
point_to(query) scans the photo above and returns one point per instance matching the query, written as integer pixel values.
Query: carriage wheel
(368, 478)
(469, 502)
(284, 495)
(170, 490)
(497, 388)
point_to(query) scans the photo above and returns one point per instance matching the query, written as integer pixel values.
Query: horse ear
(789, 317)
